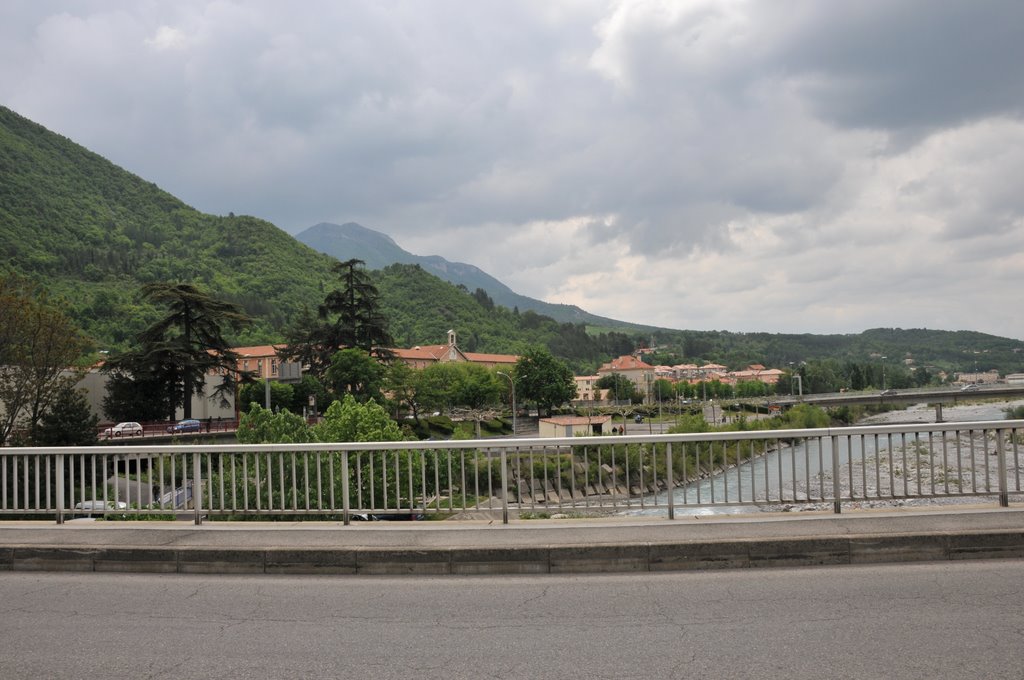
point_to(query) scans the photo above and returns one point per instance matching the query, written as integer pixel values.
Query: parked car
(90, 508)
(190, 425)
(130, 429)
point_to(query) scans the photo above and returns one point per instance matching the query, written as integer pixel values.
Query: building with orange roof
(262, 361)
(422, 356)
(638, 372)
(757, 373)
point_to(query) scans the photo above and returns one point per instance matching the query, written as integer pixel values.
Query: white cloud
(167, 38)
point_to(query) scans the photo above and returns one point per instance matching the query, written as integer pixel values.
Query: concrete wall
(95, 385)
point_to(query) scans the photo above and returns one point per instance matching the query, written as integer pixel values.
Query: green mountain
(93, 233)
(378, 250)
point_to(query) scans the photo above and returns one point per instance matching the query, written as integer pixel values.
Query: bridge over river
(927, 395)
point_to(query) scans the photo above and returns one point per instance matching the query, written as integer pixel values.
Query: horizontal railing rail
(647, 474)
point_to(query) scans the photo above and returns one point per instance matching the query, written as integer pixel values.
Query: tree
(477, 387)
(309, 393)
(359, 322)
(262, 426)
(663, 390)
(281, 395)
(622, 388)
(401, 385)
(752, 388)
(353, 371)
(350, 421)
(435, 386)
(68, 422)
(543, 379)
(180, 349)
(39, 348)
(856, 377)
(821, 376)
(136, 397)
(304, 342)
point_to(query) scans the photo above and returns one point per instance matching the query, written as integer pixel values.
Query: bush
(496, 426)
(442, 425)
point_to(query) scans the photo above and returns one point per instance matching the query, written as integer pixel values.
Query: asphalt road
(934, 620)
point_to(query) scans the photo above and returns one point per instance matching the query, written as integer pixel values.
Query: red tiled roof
(257, 350)
(430, 352)
(491, 358)
(421, 353)
(625, 363)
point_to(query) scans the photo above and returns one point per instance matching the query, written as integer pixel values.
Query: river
(802, 462)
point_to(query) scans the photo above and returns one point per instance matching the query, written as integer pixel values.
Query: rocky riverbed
(966, 464)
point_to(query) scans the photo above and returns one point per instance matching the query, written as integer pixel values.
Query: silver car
(129, 429)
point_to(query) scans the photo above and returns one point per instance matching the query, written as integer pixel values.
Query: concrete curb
(537, 559)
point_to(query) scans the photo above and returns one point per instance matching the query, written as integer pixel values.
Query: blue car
(190, 425)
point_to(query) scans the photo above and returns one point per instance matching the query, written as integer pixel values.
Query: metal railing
(651, 474)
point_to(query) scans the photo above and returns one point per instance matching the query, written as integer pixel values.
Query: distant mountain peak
(378, 250)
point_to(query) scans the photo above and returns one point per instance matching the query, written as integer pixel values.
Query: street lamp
(513, 384)
(883, 374)
(794, 374)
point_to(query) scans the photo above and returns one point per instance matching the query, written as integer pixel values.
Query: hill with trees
(94, 234)
(934, 350)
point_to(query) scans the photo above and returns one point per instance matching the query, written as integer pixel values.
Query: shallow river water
(804, 462)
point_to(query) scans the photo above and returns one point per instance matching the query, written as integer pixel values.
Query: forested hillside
(933, 349)
(93, 233)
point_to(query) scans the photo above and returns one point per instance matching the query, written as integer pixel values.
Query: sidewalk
(521, 547)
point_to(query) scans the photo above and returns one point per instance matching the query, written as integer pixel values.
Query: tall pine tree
(181, 348)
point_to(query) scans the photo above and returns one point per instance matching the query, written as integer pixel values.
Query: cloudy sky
(783, 166)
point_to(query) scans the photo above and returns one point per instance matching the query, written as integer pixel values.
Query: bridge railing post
(1004, 493)
(837, 506)
(504, 486)
(60, 488)
(346, 505)
(197, 487)
(669, 483)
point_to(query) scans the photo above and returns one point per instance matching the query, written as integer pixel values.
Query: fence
(651, 474)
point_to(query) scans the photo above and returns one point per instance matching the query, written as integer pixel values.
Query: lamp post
(657, 386)
(794, 374)
(883, 374)
(513, 384)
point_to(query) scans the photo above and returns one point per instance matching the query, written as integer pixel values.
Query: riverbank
(962, 464)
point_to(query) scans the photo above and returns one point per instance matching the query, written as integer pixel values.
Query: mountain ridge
(378, 250)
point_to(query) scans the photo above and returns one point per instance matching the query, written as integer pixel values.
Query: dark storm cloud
(915, 64)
